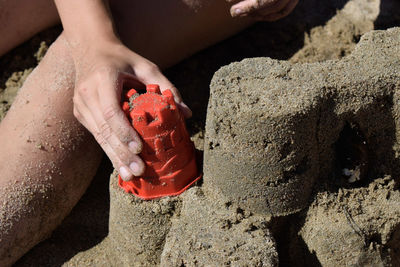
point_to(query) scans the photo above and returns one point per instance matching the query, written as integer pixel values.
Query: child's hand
(101, 74)
(267, 10)
(102, 66)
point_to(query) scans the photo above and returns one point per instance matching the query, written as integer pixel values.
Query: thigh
(166, 32)
(47, 158)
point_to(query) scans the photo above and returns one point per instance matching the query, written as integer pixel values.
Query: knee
(56, 71)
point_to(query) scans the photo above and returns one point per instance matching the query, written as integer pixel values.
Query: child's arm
(103, 64)
(268, 10)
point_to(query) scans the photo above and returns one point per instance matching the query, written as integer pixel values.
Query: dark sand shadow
(387, 18)
(292, 249)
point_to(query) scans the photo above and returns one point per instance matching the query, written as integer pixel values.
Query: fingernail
(134, 167)
(237, 12)
(125, 174)
(134, 147)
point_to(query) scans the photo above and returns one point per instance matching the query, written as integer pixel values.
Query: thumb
(164, 83)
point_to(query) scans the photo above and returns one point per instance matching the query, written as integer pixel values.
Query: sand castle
(275, 132)
(300, 162)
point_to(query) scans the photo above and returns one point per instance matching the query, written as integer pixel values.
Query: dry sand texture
(279, 138)
(276, 134)
(297, 130)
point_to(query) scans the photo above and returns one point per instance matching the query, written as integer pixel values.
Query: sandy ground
(316, 31)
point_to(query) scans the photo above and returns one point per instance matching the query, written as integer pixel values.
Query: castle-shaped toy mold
(168, 152)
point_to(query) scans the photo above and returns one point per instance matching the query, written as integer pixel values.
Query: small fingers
(126, 163)
(256, 8)
(119, 152)
(247, 6)
(84, 116)
(120, 135)
(280, 14)
(99, 111)
(114, 120)
(135, 168)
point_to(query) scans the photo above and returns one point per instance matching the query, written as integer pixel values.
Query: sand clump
(175, 231)
(272, 126)
(361, 226)
(145, 225)
(340, 35)
(283, 143)
(211, 233)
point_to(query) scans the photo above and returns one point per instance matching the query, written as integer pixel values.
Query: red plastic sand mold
(168, 152)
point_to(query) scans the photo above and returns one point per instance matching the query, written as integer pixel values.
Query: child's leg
(47, 158)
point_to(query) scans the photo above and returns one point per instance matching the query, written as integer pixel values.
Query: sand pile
(279, 135)
(276, 137)
(300, 160)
